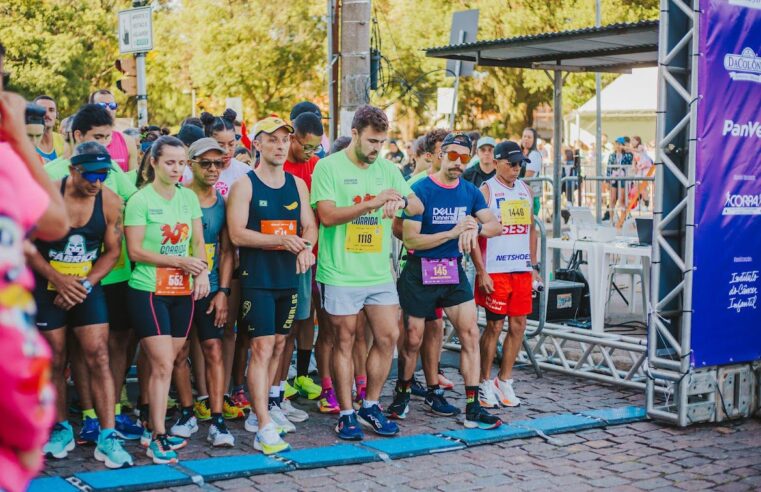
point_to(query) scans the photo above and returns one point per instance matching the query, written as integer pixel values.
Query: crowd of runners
(209, 263)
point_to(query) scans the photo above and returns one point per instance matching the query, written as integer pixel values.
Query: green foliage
(273, 54)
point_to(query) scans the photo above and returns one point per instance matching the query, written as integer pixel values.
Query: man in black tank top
(269, 219)
(69, 295)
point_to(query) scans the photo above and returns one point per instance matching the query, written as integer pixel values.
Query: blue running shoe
(348, 428)
(373, 417)
(61, 441)
(110, 450)
(126, 428)
(160, 451)
(418, 389)
(89, 432)
(437, 404)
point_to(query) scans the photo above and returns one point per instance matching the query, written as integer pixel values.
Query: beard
(367, 159)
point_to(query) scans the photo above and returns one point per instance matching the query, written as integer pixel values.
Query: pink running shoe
(327, 403)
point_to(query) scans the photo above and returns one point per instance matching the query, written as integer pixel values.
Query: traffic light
(128, 83)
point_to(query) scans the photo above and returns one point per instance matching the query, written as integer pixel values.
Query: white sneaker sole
(61, 455)
(160, 461)
(222, 443)
(259, 447)
(297, 417)
(110, 464)
(182, 434)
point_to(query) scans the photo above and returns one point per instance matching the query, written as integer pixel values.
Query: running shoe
(219, 436)
(328, 402)
(444, 382)
(126, 428)
(61, 441)
(373, 417)
(110, 450)
(439, 405)
(306, 387)
(174, 442)
(238, 399)
(281, 421)
(186, 426)
(400, 406)
(231, 410)
(252, 424)
(418, 389)
(89, 432)
(486, 396)
(268, 440)
(160, 450)
(289, 391)
(202, 410)
(348, 428)
(292, 413)
(359, 398)
(478, 418)
(505, 393)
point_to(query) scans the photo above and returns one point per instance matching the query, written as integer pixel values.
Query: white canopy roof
(636, 92)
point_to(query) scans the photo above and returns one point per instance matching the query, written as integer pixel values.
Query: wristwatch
(225, 290)
(87, 285)
(536, 266)
(406, 202)
(480, 228)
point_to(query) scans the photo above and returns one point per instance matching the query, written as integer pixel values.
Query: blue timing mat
(135, 478)
(407, 446)
(227, 467)
(340, 454)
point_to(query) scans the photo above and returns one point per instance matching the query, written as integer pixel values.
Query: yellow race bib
(515, 212)
(74, 269)
(364, 238)
(211, 249)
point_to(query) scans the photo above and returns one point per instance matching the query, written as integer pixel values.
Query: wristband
(406, 202)
(536, 266)
(87, 285)
(225, 290)
(480, 228)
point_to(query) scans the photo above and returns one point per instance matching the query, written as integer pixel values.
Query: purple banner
(726, 321)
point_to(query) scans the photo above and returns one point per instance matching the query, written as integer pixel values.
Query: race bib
(440, 271)
(172, 282)
(211, 250)
(279, 228)
(364, 238)
(515, 212)
(74, 269)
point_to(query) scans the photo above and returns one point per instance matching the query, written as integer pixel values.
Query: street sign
(464, 30)
(135, 30)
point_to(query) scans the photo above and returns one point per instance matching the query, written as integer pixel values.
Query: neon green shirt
(120, 184)
(357, 253)
(168, 228)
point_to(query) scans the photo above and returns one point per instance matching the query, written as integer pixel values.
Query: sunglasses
(308, 149)
(206, 163)
(112, 106)
(94, 176)
(453, 156)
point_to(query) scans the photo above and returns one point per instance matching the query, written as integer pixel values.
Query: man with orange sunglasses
(455, 215)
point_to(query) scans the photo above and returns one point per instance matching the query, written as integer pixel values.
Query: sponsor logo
(291, 206)
(155, 211)
(447, 215)
(262, 203)
(176, 237)
(366, 220)
(515, 229)
(222, 188)
(751, 4)
(743, 259)
(75, 251)
(736, 204)
(514, 257)
(351, 181)
(744, 67)
(359, 198)
(745, 130)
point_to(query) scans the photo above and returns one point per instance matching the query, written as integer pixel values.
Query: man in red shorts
(506, 268)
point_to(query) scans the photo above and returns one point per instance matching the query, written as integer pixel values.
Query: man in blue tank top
(270, 220)
(211, 312)
(69, 295)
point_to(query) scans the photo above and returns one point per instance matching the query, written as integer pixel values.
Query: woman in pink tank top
(118, 150)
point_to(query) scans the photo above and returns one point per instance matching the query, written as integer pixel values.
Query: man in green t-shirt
(356, 194)
(93, 123)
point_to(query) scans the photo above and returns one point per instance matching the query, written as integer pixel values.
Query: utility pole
(334, 16)
(142, 86)
(355, 59)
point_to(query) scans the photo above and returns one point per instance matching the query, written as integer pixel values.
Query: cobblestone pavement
(639, 456)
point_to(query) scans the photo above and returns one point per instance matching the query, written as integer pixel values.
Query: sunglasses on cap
(453, 156)
(112, 105)
(94, 176)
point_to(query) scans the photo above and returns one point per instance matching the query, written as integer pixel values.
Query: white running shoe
(486, 396)
(292, 413)
(252, 423)
(220, 437)
(278, 417)
(268, 440)
(185, 427)
(504, 392)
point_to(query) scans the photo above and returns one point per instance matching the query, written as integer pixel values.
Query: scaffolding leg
(531, 358)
